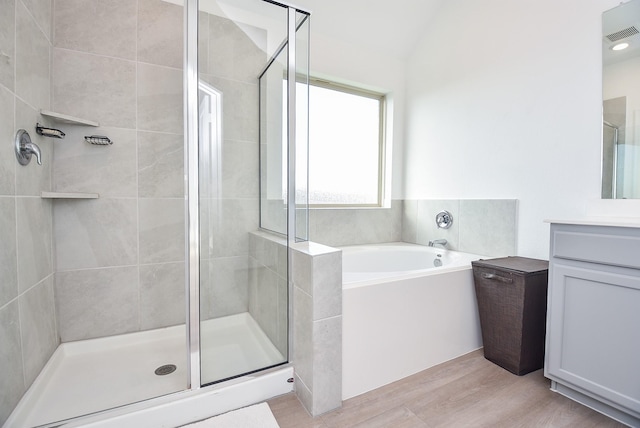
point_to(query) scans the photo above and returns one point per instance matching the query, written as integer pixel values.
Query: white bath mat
(257, 416)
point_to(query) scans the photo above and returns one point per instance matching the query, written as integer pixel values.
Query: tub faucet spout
(441, 242)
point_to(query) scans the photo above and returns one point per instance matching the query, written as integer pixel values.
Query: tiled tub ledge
(68, 195)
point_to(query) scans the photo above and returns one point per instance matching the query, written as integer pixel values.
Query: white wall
(504, 101)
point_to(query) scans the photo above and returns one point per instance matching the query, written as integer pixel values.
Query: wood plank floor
(466, 392)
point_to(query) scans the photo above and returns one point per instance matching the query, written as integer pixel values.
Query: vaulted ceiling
(391, 26)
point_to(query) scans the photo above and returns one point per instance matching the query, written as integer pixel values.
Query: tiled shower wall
(268, 296)
(28, 333)
(119, 259)
(230, 61)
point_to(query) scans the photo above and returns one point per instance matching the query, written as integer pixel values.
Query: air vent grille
(619, 35)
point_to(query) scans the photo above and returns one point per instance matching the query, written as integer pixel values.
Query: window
(346, 145)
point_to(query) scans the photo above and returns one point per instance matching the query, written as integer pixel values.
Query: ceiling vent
(622, 34)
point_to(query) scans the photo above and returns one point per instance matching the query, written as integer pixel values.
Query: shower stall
(137, 285)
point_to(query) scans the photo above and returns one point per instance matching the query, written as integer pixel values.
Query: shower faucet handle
(32, 148)
(25, 148)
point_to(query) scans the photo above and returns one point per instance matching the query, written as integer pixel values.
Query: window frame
(382, 138)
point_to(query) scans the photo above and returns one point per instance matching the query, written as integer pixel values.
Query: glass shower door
(243, 275)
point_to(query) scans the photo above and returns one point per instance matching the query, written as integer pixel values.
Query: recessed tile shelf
(65, 118)
(69, 195)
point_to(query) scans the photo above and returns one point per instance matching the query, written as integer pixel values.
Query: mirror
(621, 102)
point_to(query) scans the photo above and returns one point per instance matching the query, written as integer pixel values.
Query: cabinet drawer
(603, 248)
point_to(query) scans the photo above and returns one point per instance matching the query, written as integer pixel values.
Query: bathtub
(405, 308)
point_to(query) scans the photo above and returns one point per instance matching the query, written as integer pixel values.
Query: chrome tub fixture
(25, 148)
(444, 219)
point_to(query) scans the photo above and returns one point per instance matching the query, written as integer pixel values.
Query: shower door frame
(192, 214)
(192, 207)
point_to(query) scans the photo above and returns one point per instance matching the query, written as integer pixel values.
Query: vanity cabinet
(593, 317)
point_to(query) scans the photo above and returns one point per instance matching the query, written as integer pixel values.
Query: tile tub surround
(28, 331)
(480, 226)
(352, 226)
(317, 321)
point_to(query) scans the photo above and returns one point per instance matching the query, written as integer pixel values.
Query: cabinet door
(594, 332)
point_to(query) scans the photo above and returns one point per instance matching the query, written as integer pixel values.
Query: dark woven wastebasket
(512, 304)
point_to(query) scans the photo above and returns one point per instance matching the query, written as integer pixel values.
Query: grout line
(12, 92)
(81, 52)
(111, 57)
(24, 367)
(15, 50)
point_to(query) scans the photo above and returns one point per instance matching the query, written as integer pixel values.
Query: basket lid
(514, 263)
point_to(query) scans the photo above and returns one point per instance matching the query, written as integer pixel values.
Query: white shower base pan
(94, 375)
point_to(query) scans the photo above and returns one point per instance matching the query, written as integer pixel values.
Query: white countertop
(600, 221)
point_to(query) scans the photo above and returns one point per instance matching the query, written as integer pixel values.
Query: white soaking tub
(402, 314)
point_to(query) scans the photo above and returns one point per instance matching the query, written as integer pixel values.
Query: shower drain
(165, 370)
